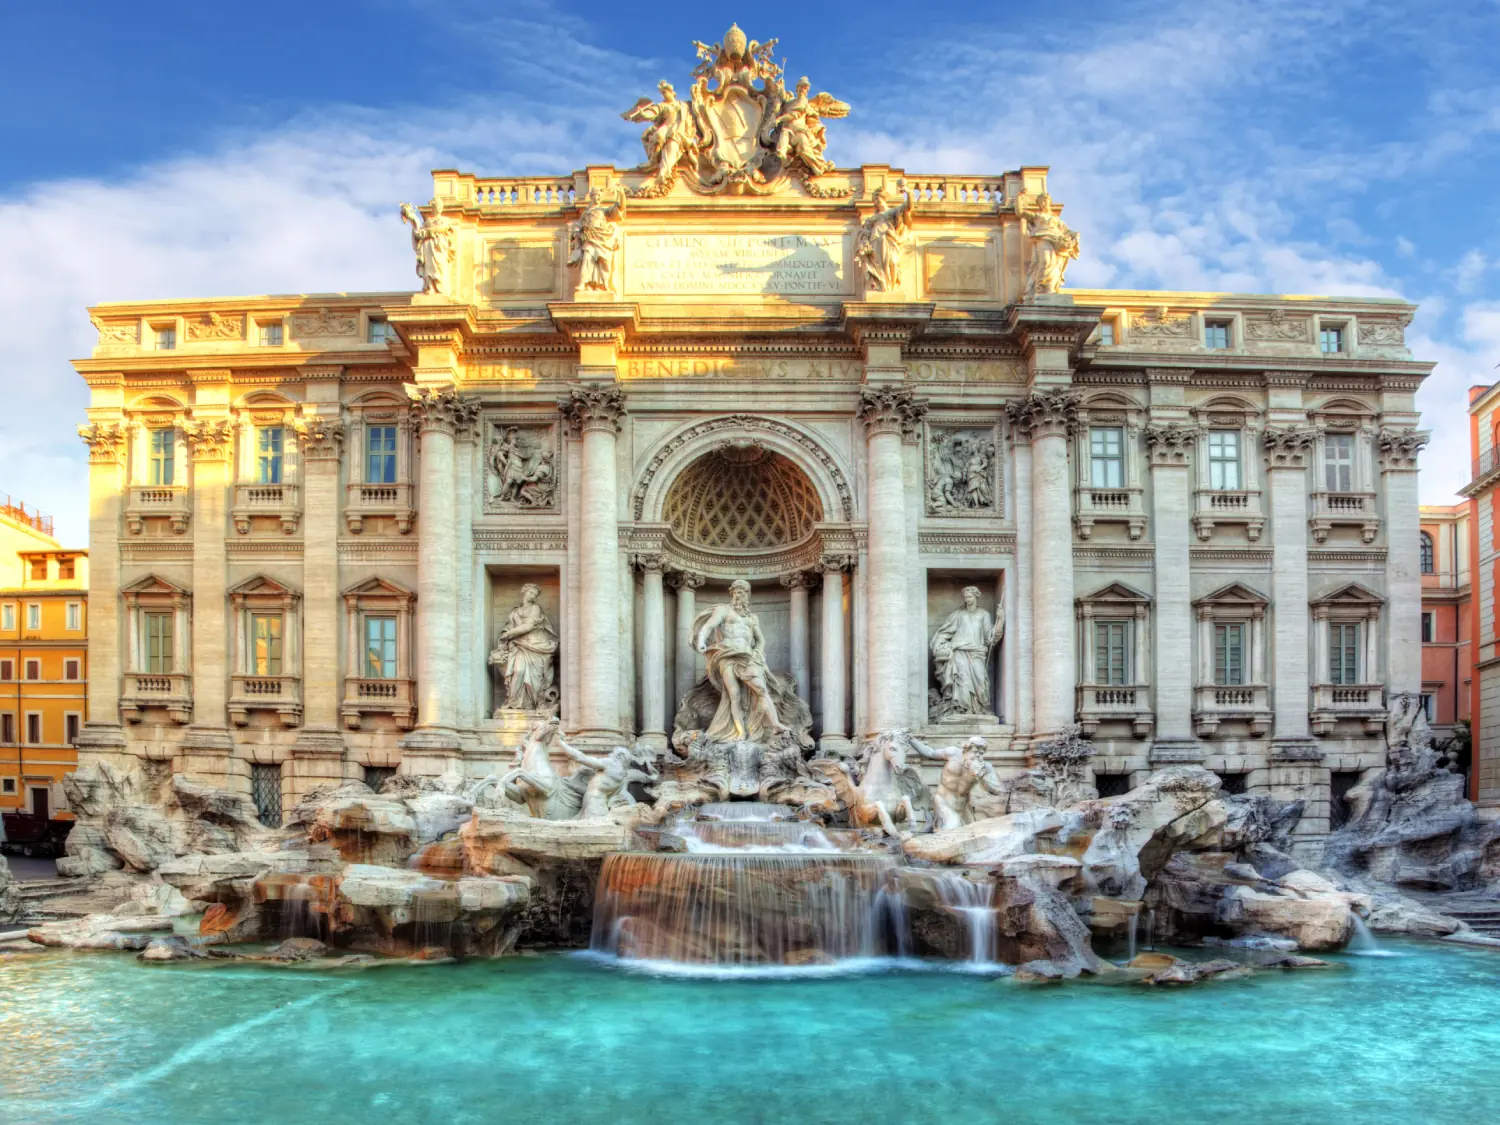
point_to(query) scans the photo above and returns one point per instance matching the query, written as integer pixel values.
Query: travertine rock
(989, 841)
(1402, 916)
(100, 931)
(10, 900)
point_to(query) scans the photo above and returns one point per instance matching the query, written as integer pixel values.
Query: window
(1112, 784)
(75, 616)
(33, 728)
(159, 655)
(1331, 340)
(1229, 654)
(380, 455)
(1224, 460)
(1216, 334)
(380, 648)
(70, 669)
(7, 670)
(1111, 650)
(8, 616)
(8, 732)
(377, 776)
(1107, 457)
(270, 335)
(1107, 332)
(1339, 784)
(1338, 462)
(268, 448)
(166, 339)
(8, 785)
(71, 723)
(1428, 561)
(34, 615)
(265, 790)
(379, 330)
(39, 569)
(1427, 630)
(1429, 706)
(163, 449)
(265, 641)
(1343, 653)
(66, 568)
(33, 669)
(1232, 783)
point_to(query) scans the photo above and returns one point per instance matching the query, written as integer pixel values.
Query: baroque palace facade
(1190, 520)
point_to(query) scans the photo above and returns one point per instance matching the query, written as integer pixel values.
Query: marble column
(797, 633)
(1048, 417)
(1287, 451)
(653, 651)
(1403, 564)
(889, 413)
(102, 732)
(687, 584)
(832, 568)
(1169, 448)
(595, 410)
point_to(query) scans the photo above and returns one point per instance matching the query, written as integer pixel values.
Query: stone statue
(963, 768)
(881, 240)
(729, 636)
(432, 241)
(1053, 245)
(673, 135)
(961, 657)
(607, 786)
(961, 473)
(884, 795)
(800, 134)
(594, 238)
(534, 783)
(525, 652)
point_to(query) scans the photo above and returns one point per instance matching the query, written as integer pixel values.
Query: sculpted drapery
(961, 656)
(524, 652)
(729, 636)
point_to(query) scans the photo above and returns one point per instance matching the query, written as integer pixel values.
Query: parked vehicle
(25, 834)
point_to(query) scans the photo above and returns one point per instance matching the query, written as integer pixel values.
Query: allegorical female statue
(432, 241)
(594, 237)
(881, 239)
(1053, 245)
(961, 657)
(525, 652)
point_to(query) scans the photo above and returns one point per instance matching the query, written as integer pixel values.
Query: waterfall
(973, 902)
(718, 835)
(745, 810)
(1130, 927)
(1363, 942)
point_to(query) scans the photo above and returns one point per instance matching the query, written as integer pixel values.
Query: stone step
(49, 888)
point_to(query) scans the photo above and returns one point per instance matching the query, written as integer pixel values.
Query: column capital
(687, 579)
(797, 580)
(440, 409)
(322, 439)
(649, 563)
(834, 564)
(593, 407)
(106, 442)
(891, 410)
(210, 439)
(1045, 413)
(1169, 444)
(1399, 449)
(1287, 448)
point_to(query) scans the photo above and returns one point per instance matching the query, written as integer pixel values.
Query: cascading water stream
(973, 901)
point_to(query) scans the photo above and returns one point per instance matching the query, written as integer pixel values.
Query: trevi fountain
(740, 911)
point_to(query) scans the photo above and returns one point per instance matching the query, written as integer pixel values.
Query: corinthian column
(1403, 563)
(1047, 418)
(595, 412)
(437, 414)
(797, 634)
(889, 415)
(653, 651)
(102, 732)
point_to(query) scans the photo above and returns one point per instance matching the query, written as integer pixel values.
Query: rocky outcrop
(101, 931)
(10, 898)
(1402, 916)
(995, 839)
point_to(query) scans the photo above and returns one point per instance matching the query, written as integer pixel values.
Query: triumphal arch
(353, 533)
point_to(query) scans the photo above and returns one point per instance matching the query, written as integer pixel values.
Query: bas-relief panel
(522, 465)
(963, 474)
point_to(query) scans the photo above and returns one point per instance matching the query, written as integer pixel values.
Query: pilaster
(103, 733)
(1398, 452)
(1169, 448)
(1287, 450)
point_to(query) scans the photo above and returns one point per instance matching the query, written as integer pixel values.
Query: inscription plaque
(784, 264)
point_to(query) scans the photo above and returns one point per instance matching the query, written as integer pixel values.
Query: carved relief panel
(522, 464)
(962, 470)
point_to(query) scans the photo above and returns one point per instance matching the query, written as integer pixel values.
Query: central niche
(742, 497)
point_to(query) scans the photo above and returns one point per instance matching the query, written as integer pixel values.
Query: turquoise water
(102, 1039)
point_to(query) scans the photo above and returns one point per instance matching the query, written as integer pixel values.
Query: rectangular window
(268, 449)
(71, 724)
(163, 453)
(379, 330)
(1216, 334)
(1107, 333)
(380, 648)
(8, 616)
(1338, 462)
(166, 339)
(265, 639)
(1429, 706)
(66, 568)
(270, 335)
(70, 669)
(380, 454)
(265, 791)
(1427, 629)
(33, 669)
(7, 670)
(1111, 652)
(7, 728)
(1229, 654)
(8, 785)
(159, 656)
(1343, 653)
(1331, 340)
(34, 615)
(1224, 460)
(39, 569)
(33, 728)
(1107, 457)
(75, 616)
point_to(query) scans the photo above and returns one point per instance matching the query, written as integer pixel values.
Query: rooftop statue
(593, 239)
(740, 129)
(1053, 245)
(432, 240)
(882, 239)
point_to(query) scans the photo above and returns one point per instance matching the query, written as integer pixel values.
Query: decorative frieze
(891, 410)
(593, 407)
(1161, 321)
(1045, 413)
(217, 326)
(1382, 333)
(503, 539)
(966, 542)
(1277, 327)
(325, 322)
(117, 331)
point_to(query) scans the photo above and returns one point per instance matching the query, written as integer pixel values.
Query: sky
(171, 149)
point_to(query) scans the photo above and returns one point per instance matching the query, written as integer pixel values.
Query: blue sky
(158, 149)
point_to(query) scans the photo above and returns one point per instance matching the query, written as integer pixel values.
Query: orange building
(43, 660)
(1483, 493)
(1447, 659)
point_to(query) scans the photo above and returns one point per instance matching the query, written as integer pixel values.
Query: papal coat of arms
(740, 130)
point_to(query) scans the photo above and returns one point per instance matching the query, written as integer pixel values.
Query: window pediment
(1235, 594)
(153, 585)
(1349, 596)
(1115, 594)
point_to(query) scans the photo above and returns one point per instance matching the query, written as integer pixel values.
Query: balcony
(1332, 509)
(276, 501)
(364, 501)
(1215, 506)
(170, 691)
(396, 698)
(157, 501)
(281, 694)
(1214, 704)
(1102, 703)
(1332, 703)
(1108, 505)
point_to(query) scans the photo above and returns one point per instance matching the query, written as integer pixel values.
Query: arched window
(1427, 560)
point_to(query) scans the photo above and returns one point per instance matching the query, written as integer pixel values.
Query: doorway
(41, 802)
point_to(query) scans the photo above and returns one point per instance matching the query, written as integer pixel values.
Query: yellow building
(43, 660)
